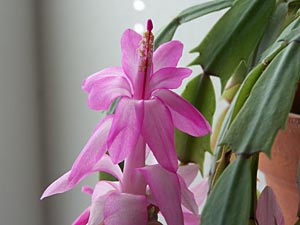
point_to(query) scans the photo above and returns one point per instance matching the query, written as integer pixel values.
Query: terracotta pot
(281, 171)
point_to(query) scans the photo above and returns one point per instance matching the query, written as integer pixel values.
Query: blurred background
(47, 47)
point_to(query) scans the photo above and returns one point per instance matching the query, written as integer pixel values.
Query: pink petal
(107, 89)
(130, 59)
(200, 191)
(188, 172)
(185, 116)
(93, 150)
(97, 212)
(105, 164)
(165, 188)
(125, 129)
(133, 182)
(167, 55)
(64, 183)
(61, 185)
(187, 197)
(83, 218)
(158, 132)
(88, 83)
(87, 190)
(268, 211)
(191, 219)
(125, 209)
(102, 190)
(168, 78)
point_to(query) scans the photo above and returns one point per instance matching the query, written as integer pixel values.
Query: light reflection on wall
(138, 27)
(139, 6)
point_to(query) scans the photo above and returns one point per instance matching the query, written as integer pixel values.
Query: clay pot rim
(294, 119)
(294, 115)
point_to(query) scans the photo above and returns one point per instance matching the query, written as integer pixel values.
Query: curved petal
(92, 151)
(125, 128)
(187, 197)
(188, 173)
(87, 189)
(168, 78)
(88, 83)
(185, 116)
(83, 218)
(268, 210)
(107, 89)
(64, 183)
(125, 209)
(130, 59)
(191, 219)
(105, 164)
(133, 182)
(102, 190)
(61, 185)
(200, 191)
(158, 132)
(165, 189)
(97, 212)
(167, 55)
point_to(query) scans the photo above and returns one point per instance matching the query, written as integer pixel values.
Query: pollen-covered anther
(145, 51)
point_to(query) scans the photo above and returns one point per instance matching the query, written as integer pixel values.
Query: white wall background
(20, 149)
(47, 47)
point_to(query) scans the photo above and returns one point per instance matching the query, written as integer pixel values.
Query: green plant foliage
(200, 92)
(242, 94)
(235, 82)
(233, 37)
(273, 29)
(288, 34)
(229, 202)
(187, 15)
(266, 109)
(246, 88)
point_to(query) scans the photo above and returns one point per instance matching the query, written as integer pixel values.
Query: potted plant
(250, 50)
(254, 49)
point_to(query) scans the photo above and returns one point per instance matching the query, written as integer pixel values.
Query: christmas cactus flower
(167, 193)
(144, 118)
(148, 190)
(147, 107)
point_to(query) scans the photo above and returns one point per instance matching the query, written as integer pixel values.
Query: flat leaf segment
(229, 202)
(233, 38)
(266, 109)
(187, 15)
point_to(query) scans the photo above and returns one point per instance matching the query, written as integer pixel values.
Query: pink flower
(168, 192)
(119, 203)
(145, 116)
(64, 183)
(147, 107)
(268, 211)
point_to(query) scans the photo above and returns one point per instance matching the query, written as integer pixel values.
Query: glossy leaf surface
(268, 105)
(233, 37)
(187, 15)
(273, 29)
(229, 202)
